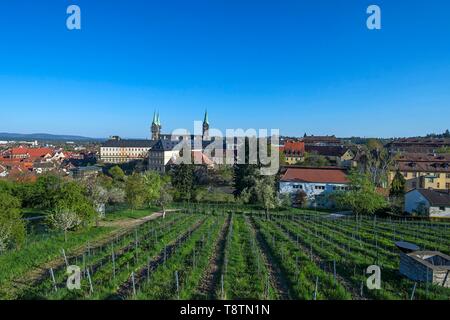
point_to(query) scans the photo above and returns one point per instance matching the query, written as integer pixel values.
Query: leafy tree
(374, 144)
(443, 150)
(282, 158)
(99, 196)
(285, 200)
(117, 174)
(116, 195)
(300, 198)
(183, 180)
(153, 182)
(12, 227)
(398, 185)
(73, 196)
(136, 192)
(45, 192)
(244, 177)
(64, 220)
(362, 198)
(314, 160)
(376, 164)
(265, 190)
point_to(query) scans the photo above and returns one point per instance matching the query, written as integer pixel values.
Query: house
(432, 203)
(418, 145)
(294, 151)
(315, 183)
(423, 171)
(336, 155)
(321, 140)
(33, 154)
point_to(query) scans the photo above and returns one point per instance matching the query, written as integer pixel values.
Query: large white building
(315, 183)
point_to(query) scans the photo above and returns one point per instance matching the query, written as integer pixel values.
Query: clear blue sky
(301, 66)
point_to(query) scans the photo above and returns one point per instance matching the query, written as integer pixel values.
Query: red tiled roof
(319, 175)
(32, 152)
(19, 150)
(293, 147)
(39, 152)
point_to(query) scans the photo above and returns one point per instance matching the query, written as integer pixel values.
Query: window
(448, 175)
(405, 174)
(438, 185)
(442, 208)
(447, 186)
(319, 187)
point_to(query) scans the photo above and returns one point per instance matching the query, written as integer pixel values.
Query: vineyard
(227, 254)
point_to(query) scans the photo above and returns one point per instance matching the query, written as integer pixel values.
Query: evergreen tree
(398, 185)
(183, 180)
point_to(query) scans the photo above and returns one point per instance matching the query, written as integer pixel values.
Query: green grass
(15, 264)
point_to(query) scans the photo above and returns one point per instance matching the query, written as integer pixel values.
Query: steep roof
(293, 147)
(331, 151)
(315, 175)
(436, 198)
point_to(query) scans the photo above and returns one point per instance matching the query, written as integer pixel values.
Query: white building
(315, 183)
(117, 150)
(429, 202)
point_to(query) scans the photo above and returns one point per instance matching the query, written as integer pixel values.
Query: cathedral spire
(206, 126)
(206, 120)
(156, 126)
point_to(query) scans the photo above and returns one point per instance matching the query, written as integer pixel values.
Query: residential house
(423, 171)
(432, 203)
(321, 140)
(336, 155)
(294, 151)
(315, 183)
(418, 145)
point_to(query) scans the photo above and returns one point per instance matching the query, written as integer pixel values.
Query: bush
(12, 227)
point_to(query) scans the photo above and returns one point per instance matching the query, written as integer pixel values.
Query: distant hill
(44, 137)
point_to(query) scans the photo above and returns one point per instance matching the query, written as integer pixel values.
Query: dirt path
(210, 280)
(41, 271)
(277, 277)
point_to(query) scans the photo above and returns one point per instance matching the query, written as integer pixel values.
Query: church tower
(206, 126)
(156, 126)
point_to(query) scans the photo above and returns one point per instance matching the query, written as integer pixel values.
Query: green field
(213, 253)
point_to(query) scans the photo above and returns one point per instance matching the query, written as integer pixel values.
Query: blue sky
(301, 66)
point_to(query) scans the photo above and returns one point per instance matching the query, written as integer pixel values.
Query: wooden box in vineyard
(426, 266)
